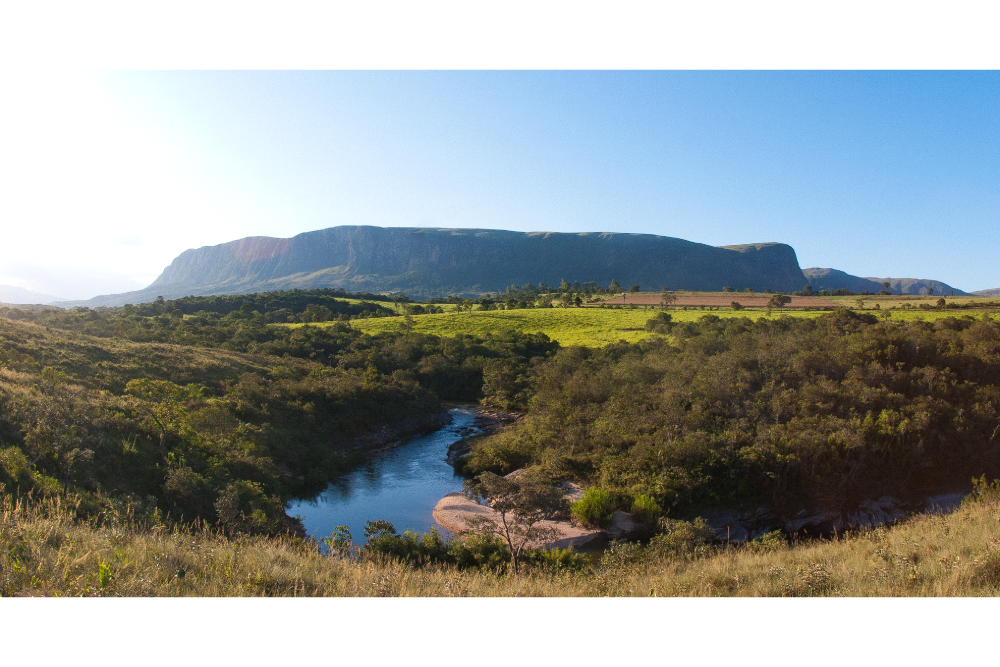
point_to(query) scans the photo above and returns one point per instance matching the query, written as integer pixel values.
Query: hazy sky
(108, 176)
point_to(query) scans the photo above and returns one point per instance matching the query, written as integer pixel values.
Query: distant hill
(832, 279)
(18, 295)
(987, 292)
(438, 262)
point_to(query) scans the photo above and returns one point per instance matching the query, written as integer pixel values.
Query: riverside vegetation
(770, 415)
(215, 418)
(149, 450)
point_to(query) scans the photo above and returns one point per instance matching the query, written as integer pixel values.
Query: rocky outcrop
(454, 511)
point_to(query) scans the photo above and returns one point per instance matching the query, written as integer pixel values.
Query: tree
(504, 384)
(634, 289)
(667, 298)
(727, 289)
(887, 284)
(614, 287)
(578, 301)
(778, 301)
(518, 505)
(163, 403)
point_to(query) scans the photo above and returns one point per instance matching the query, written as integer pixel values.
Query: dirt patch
(725, 300)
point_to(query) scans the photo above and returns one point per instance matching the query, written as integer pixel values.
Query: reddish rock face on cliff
(437, 262)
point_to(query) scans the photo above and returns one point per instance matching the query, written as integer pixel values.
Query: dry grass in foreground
(43, 551)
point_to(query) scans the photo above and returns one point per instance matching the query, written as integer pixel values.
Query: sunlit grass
(596, 327)
(43, 551)
(569, 326)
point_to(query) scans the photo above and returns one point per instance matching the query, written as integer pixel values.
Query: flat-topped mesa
(427, 262)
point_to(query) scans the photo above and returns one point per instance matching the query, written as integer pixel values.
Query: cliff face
(437, 262)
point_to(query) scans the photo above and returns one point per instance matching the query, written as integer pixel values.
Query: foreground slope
(44, 551)
(437, 262)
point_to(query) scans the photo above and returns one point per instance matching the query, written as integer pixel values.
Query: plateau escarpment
(438, 262)
(832, 279)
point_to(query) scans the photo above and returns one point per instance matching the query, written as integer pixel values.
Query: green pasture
(596, 327)
(592, 327)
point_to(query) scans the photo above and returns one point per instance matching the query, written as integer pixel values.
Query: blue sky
(112, 174)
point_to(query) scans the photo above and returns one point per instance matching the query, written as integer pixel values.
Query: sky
(109, 175)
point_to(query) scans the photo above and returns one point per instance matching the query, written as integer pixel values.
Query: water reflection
(401, 486)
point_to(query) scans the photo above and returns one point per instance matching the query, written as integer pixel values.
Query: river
(401, 486)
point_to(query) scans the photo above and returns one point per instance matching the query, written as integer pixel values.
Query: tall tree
(519, 506)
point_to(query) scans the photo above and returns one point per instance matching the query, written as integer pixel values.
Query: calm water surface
(401, 486)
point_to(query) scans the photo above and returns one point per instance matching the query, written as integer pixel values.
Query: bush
(661, 323)
(682, 538)
(645, 509)
(983, 491)
(555, 559)
(594, 509)
(486, 552)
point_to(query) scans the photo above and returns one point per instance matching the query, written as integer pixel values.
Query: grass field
(569, 326)
(45, 552)
(723, 299)
(596, 327)
(591, 327)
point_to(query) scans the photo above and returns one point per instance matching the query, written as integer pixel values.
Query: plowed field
(745, 300)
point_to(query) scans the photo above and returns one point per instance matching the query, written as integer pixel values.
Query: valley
(225, 415)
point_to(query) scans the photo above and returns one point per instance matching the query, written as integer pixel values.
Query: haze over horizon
(110, 175)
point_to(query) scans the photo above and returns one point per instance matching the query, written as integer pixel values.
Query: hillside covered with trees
(772, 416)
(216, 418)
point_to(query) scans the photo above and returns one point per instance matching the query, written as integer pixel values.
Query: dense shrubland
(775, 414)
(222, 420)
